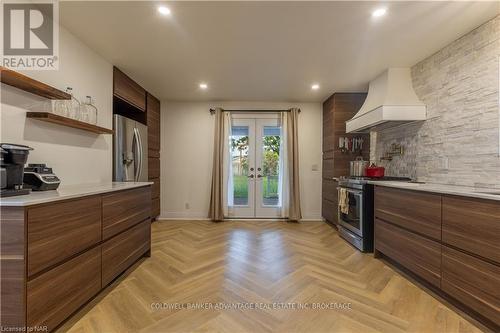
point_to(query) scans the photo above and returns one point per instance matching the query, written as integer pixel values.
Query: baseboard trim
(183, 218)
(160, 218)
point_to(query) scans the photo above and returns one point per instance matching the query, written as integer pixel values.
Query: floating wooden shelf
(20, 81)
(60, 120)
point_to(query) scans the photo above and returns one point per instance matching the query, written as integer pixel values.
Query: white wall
(186, 156)
(76, 156)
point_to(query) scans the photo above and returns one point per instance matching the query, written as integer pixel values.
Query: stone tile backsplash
(459, 141)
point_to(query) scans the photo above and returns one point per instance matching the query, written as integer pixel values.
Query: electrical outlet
(186, 205)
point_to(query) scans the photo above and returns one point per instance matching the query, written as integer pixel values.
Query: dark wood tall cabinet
(134, 102)
(153, 117)
(337, 109)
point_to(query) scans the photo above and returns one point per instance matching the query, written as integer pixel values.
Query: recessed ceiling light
(315, 86)
(379, 12)
(203, 86)
(164, 10)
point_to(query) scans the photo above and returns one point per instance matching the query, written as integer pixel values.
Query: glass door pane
(239, 160)
(267, 162)
(271, 142)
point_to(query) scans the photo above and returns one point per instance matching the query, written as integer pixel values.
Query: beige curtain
(292, 193)
(216, 211)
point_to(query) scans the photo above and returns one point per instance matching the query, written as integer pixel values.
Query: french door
(254, 188)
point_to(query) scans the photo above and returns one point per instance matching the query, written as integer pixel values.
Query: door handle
(251, 176)
(259, 176)
(137, 155)
(141, 155)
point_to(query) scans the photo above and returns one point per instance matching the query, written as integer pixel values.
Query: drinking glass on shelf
(60, 108)
(89, 111)
(73, 105)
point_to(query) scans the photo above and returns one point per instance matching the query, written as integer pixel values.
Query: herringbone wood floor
(262, 262)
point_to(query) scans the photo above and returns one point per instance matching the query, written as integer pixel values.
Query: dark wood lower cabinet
(51, 254)
(329, 211)
(472, 225)
(155, 207)
(124, 209)
(420, 255)
(155, 188)
(55, 295)
(59, 230)
(329, 207)
(12, 267)
(123, 250)
(463, 266)
(473, 282)
(416, 211)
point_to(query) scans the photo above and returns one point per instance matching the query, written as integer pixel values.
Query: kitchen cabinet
(337, 109)
(122, 251)
(153, 116)
(472, 281)
(56, 294)
(463, 264)
(124, 209)
(60, 230)
(473, 225)
(418, 212)
(154, 139)
(128, 90)
(154, 168)
(420, 255)
(57, 255)
(155, 207)
(330, 200)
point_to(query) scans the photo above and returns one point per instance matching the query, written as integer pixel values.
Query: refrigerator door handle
(136, 149)
(141, 154)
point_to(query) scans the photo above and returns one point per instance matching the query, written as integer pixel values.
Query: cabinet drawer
(155, 188)
(153, 167)
(121, 251)
(128, 90)
(473, 282)
(420, 255)
(155, 207)
(58, 231)
(121, 210)
(329, 211)
(416, 211)
(54, 295)
(472, 225)
(330, 190)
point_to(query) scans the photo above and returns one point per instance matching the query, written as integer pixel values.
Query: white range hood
(391, 101)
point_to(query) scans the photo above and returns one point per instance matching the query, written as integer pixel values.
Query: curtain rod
(212, 111)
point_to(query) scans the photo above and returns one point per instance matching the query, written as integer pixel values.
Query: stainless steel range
(355, 216)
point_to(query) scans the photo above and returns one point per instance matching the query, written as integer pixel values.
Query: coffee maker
(13, 159)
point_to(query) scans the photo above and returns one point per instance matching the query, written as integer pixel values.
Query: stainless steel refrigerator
(130, 147)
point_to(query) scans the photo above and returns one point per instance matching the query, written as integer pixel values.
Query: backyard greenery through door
(257, 174)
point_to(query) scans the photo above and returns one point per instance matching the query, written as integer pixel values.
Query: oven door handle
(351, 191)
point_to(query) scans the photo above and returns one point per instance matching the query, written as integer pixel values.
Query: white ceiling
(269, 51)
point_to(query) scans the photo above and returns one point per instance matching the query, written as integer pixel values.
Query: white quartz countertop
(474, 192)
(68, 192)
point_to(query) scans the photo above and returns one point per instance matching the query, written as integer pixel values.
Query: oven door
(353, 219)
